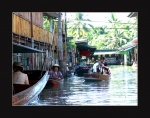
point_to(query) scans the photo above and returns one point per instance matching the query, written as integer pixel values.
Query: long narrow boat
(24, 94)
(95, 76)
(28, 95)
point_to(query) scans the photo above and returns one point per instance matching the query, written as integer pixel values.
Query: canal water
(120, 90)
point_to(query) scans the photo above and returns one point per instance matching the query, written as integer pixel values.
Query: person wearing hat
(18, 76)
(56, 72)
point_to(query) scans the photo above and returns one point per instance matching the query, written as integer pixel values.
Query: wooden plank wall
(44, 35)
(35, 32)
(25, 28)
(50, 38)
(22, 27)
(37, 17)
(16, 24)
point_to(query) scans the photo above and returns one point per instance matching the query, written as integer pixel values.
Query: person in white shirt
(18, 76)
(95, 67)
(67, 69)
(101, 65)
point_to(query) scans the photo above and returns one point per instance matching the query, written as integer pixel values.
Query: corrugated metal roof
(18, 48)
(129, 45)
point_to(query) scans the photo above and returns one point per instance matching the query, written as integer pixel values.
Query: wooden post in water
(59, 42)
(125, 59)
(50, 49)
(65, 45)
(32, 40)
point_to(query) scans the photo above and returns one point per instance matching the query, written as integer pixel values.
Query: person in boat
(97, 70)
(56, 73)
(106, 71)
(76, 68)
(18, 76)
(101, 65)
(50, 71)
(67, 69)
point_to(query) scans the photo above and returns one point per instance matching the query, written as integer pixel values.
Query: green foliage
(46, 22)
(102, 37)
(77, 28)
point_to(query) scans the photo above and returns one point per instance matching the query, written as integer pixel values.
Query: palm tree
(115, 38)
(77, 28)
(96, 35)
(131, 31)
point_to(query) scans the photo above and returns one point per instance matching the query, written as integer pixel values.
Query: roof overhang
(101, 52)
(86, 47)
(53, 14)
(133, 14)
(81, 41)
(17, 48)
(69, 38)
(135, 41)
(129, 45)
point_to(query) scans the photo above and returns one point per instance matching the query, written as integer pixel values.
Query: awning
(86, 47)
(129, 45)
(124, 52)
(81, 42)
(101, 52)
(85, 53)
(134, 42)
(17, 48)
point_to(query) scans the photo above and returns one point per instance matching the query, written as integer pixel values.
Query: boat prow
(31, 93)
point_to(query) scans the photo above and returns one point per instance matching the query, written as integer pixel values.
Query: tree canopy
(103, 37)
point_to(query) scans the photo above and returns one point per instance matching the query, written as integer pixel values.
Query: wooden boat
(19, 87)
(24, 94)
(54, 81)
(31, 93)
(95, 76)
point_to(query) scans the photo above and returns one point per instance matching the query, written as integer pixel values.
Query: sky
(101, 17)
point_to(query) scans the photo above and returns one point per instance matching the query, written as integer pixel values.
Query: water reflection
(119, 90)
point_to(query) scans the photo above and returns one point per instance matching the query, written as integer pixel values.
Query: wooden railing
(22, 27)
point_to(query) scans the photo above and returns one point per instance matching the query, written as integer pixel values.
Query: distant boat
(95, 76)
